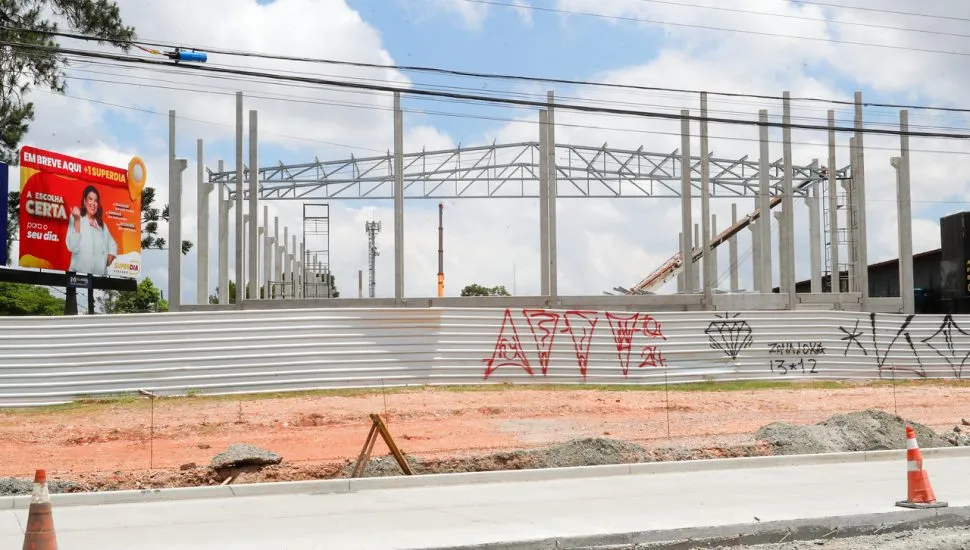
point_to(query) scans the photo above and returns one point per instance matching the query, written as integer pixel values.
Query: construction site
(686, 365)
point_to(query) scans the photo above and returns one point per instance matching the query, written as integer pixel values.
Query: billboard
(4, 193)
(80, 216)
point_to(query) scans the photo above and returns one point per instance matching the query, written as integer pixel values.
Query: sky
(112, 112)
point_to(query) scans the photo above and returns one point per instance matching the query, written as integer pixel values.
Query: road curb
(333, 486)
(747, 534)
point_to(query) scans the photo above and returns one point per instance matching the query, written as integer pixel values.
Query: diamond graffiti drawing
(730, 335)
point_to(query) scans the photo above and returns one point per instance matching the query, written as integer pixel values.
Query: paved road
(433, 517)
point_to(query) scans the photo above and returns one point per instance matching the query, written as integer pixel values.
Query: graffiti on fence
(796, 357)
(729, 334)
(580, 326)
(942, 342)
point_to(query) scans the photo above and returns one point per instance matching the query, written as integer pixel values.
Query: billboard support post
(4, 194)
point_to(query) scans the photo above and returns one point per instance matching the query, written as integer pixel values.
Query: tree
(146, 299)
(479, 290)
(149, 222)
(30, 56)
(13, 217)
(20, 299)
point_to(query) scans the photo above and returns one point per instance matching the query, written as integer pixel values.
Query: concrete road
(447, 516)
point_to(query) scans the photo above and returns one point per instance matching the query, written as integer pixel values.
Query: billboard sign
(80, 216)
(4, 196)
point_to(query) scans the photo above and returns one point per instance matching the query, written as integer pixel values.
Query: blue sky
(602, 243)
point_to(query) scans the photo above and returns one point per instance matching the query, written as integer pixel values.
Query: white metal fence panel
(56, 360)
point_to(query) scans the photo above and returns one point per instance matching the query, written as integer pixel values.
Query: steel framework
(512, 171)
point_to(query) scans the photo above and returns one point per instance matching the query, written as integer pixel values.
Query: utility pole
(372, 228)
(441, 249)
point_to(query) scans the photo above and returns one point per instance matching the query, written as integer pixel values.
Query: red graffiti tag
(546, 323)
(652, 328)
(586, 321)
(508, 350)
(623, 329)
(652, 357)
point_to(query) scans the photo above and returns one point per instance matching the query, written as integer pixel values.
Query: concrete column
(175, 168)
(680, 277)
(293, 266)
(852, 217)
(710, 273)
(285, 273)
(240, 243)
(733, 251)
(267, 262)
(764, 204)
(223, 241)
(863, 248)
(202, 233)
(686, 246)
(782, 268)
(301, 283)
(836, 272)
(905, 215)
(552, 181)
(398, 198)
(277, 254)
(360, 283)
(544, 263)
(241, 291)
(787, 257)
(713, 257)
(696, 272)
(253, 207)
(756, 271)
(815, 236)
(267, 257)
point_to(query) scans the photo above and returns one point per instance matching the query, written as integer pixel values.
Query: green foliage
(479, 290)
(146, 299)
(19, 299)
(149, 223)
(23, 68)
(13, 221)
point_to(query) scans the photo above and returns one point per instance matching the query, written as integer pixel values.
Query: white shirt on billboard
(91, 247)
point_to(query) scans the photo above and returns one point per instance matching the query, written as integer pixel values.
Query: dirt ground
(128, 443)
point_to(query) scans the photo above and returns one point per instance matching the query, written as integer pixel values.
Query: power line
(806, 18)
(478, 97)
(502, 76)
(629, 103)
(305, 100)
(878, 10)
(713, 28)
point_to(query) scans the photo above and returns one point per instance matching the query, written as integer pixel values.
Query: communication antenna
(372, 228)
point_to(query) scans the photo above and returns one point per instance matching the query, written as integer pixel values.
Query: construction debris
(244, 455)
(869, 430)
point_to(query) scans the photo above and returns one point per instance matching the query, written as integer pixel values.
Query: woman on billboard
(91, 245)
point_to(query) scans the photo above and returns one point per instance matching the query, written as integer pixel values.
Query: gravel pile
(960, 436)
(869, 430)
(955, 538)
(244, 455)
(592, 451)
(578, 452)
(11, 486)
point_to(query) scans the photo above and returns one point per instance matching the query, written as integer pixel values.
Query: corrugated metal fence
(56, 360)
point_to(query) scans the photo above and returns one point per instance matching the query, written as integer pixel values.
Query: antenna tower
(372, 228)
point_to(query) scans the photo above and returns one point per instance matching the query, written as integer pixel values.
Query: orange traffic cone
(919, 491)
(39, 534)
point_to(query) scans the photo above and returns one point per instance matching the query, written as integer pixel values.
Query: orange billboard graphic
(81, 216)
